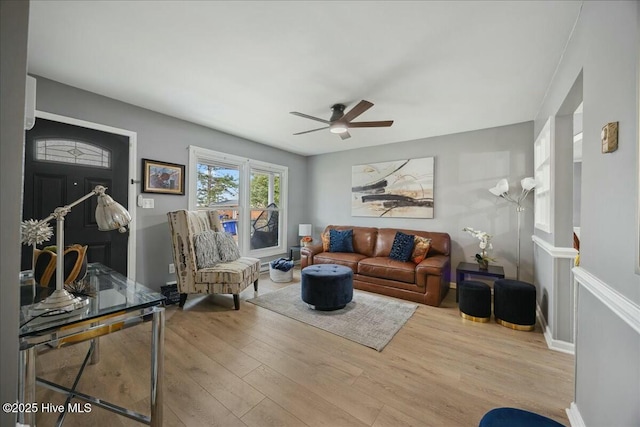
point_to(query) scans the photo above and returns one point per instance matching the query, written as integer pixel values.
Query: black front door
(63, 163)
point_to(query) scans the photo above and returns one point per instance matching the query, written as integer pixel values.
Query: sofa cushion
(341, 241)
(440, 242)
(364, 238)
(384, 242)
(341, 258)
(420, 249)
(388, 268)
(325, 241)
(402, 247)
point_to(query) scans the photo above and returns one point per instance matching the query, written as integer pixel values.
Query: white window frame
(245, 165)
(543, 159)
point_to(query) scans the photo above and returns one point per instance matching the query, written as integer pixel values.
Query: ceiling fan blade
(312, 130)
(360, 108)
(306, 116)
(379, 124)
(344, 135)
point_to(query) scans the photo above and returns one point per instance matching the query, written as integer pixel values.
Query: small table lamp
(305, 230)
(110, 215)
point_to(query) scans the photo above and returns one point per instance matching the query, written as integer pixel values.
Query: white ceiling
(240, 67)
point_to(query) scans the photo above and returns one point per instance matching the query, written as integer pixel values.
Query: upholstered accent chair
(224, 277)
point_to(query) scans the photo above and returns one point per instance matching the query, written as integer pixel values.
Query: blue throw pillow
(402, 247)
(341, 241)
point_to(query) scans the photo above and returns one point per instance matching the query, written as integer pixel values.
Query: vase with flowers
(306, 241)
(483, 257)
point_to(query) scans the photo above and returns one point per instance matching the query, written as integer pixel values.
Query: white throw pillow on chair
(206, 249)
(227, 247)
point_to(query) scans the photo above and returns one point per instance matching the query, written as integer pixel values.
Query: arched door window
(72, 152)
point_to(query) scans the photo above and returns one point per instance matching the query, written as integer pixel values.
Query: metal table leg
(157, 367)
(27, 386)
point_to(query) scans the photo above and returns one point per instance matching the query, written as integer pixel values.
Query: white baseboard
(575, 419)
(553, 344)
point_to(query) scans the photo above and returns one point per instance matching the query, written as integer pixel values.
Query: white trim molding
(623, 307)
(554, 251)
(133, 173)
(567, 255)
(553, 344)
(575, 419)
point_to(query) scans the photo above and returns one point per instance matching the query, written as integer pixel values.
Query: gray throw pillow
(227, 247)
(206, 249)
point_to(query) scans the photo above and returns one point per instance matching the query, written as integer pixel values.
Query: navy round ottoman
(514, 304)
(327, 286)
(474, 301)
(512, 417)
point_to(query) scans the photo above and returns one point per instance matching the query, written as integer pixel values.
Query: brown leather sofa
(374, 271)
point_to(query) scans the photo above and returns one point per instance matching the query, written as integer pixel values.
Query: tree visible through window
(260, 189)
(265, 201)
(216, 184)
(250, 197)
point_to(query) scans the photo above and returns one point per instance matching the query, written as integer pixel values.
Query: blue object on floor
(512, 417)
(475, 300)
(327, 286)
(282, 264)
(514, 304)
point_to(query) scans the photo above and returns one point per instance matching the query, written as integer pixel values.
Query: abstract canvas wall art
(396, 189)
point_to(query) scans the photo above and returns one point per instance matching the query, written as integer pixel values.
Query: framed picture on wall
(162, 177)
(395, 189)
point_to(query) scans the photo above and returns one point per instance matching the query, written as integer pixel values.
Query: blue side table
(473, 269)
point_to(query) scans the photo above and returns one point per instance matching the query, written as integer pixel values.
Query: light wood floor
(254, 367)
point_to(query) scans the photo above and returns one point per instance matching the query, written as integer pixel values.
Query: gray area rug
(368, 319)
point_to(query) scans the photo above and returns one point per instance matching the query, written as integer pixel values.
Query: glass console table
(115, 303)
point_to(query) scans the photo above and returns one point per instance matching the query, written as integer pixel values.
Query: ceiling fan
(340, 121)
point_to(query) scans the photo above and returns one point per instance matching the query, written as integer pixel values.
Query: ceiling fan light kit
(337, 128)
(339, 123)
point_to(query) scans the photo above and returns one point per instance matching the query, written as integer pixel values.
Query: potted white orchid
(482, 258)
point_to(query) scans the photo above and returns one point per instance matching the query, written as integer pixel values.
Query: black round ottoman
(474, 300)
(327, 286)
(514, 304)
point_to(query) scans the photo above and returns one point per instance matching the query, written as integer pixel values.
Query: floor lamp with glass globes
(502, 190)
(109, 215)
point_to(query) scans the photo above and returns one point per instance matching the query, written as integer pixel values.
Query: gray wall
(14, 21)
(466, 166)
(166, 138)
(605, 48)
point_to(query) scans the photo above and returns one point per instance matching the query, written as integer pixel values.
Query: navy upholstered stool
(512, 417)
(514, 304)
(327, 286)
(474, 300)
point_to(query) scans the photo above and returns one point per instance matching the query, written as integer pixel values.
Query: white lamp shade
(501, 187)
(111, 215)
(337, 128)
(305, 230)
(528, 184)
